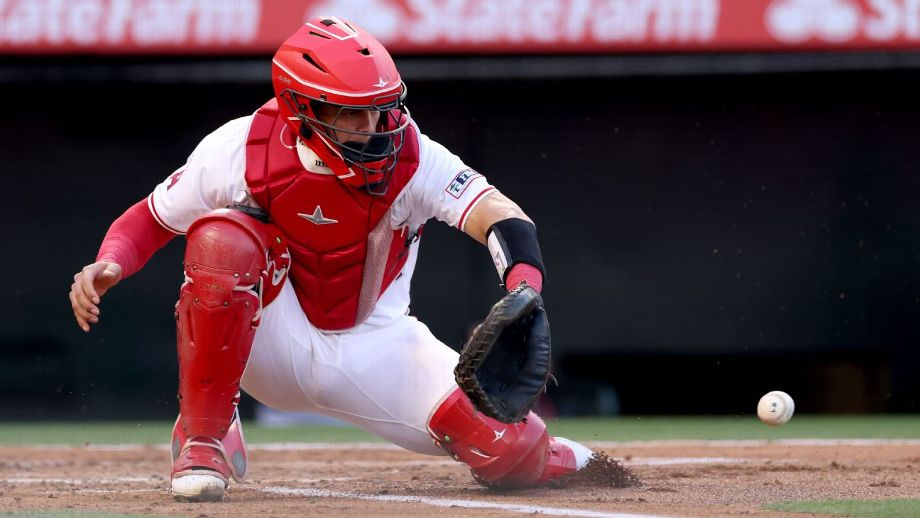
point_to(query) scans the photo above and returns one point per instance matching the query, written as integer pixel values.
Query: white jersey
(443, 187)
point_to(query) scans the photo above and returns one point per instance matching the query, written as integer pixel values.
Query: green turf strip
(158, 432)
(895, 508)
(69, 513)
(627, 428)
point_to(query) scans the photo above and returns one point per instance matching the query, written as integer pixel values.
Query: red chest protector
(344, 253)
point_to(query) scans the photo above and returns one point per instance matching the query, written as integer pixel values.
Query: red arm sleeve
(133, 238)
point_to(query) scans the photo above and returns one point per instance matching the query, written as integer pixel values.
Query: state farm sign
(462, 26)
(840, 21)
(126, 24)
(543, 22)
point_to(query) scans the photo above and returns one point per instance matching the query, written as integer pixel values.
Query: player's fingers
(83, 325)
(87, 281)
(80, 308)
(81, 299)
(79, 313)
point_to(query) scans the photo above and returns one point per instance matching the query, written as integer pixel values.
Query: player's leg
(227, 274)
(407, 373)
(397, 382)
(379, 379)
(499, 454)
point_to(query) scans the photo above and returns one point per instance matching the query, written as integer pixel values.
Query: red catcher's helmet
(334, 62)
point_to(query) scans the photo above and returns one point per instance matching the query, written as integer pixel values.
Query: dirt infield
(677, 479)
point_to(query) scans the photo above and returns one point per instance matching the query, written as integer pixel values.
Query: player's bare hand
(89, 285)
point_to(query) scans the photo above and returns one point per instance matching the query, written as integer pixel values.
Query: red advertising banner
(462, 26)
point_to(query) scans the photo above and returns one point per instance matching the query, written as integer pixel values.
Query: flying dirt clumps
(601, 471)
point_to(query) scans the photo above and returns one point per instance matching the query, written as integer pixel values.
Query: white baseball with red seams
(775, 408)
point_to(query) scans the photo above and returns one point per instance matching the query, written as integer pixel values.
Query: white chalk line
(450, 502)
(672, 461)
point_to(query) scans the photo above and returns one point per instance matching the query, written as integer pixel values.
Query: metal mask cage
(379, 152)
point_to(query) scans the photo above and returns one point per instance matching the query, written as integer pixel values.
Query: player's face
(350, 120)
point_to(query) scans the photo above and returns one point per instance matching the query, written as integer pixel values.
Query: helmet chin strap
(357, 151)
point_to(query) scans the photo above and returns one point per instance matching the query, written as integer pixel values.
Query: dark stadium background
(719, 228)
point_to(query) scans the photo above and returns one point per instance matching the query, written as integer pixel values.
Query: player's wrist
(112, 258)
(523, 272)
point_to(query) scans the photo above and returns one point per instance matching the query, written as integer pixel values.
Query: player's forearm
(133, 238)
(511, 236)
(493, 208)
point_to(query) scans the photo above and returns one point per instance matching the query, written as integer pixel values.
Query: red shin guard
(498, 454)
(226, 264)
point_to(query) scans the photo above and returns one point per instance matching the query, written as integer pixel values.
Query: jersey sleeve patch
(461, 182)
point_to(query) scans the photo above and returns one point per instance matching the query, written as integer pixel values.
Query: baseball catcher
(302, 224)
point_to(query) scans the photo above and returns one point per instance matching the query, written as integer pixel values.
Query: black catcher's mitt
(504, 366)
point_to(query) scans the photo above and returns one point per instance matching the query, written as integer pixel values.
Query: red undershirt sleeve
(133, 238)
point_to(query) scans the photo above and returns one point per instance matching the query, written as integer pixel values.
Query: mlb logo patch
(460, 182)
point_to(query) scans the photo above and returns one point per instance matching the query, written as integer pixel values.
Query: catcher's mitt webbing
(504, 366)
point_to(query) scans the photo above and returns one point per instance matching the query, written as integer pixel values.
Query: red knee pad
(498, 454)
(226, 268)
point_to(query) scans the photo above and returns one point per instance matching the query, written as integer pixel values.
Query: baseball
(775, 408)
